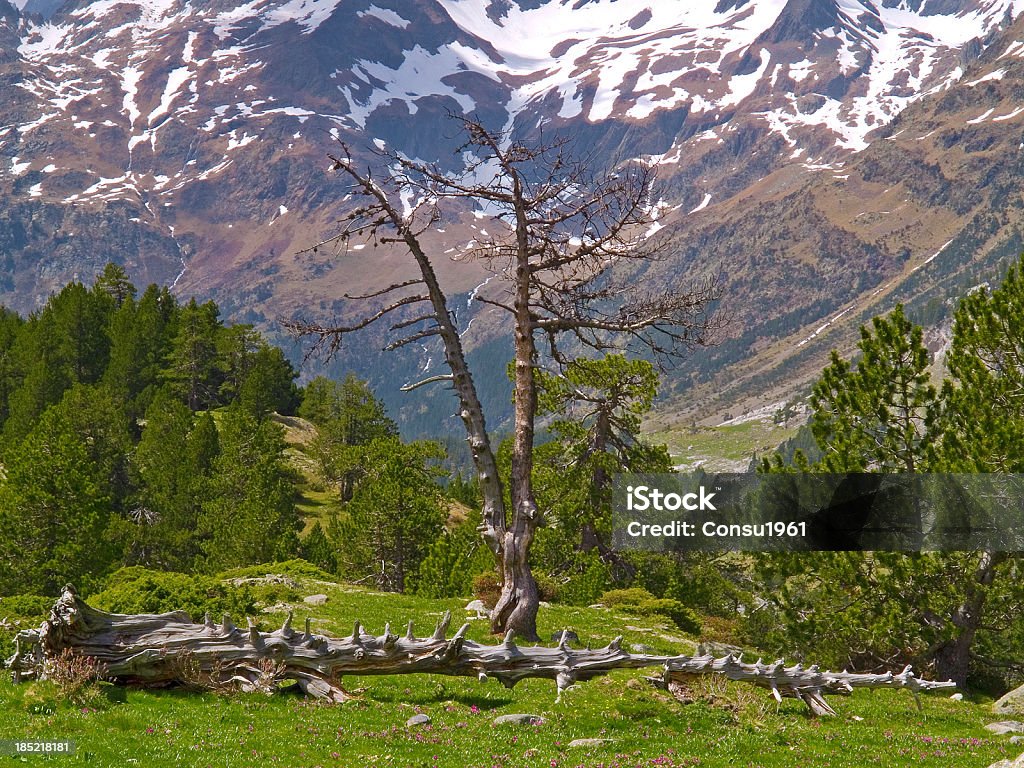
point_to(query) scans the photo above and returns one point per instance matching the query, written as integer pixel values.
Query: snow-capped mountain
(186, 138)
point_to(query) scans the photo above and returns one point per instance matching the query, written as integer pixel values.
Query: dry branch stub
(170, 649)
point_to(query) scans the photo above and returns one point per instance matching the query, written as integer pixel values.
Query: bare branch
(411, 339)
(383, 291)
(331, 335)
(424, 382)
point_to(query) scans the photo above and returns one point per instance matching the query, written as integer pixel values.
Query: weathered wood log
(169, 649)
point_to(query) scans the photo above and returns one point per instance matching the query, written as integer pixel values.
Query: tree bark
(517, 605)
(953, 660)
(169, 649)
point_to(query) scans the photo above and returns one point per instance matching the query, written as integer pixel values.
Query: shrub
(680, 615)
(297, 569)
(590, 580)
(77, 677)
(25, 606)
(618, 597)
(20, 612)
(451, 564)
(642, 602)
(139, 590)
(487, 587)
(547, 587)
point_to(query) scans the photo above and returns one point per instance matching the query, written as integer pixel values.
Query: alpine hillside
(824, 157)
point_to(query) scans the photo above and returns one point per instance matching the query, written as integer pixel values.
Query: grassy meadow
(723, 724)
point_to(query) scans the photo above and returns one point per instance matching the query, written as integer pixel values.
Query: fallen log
(170, 649)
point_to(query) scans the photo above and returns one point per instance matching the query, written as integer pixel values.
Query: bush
(25, 607)
(547, 587)
(297, 569)
(20, 612)
(590, 580)
(718, 630)
(452, 562)
(642, 602)
(487, 587)
(139, 590)
(681, 616)
(618, 597)
(77, 677)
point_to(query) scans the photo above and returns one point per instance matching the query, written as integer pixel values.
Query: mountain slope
(187, 140)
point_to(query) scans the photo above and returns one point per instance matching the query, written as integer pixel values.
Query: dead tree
(169, 649)
(564, 242)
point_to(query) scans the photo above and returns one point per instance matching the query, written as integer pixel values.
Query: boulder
(315, 599)
(1011, 703)
(1005, 726)
(417, 720)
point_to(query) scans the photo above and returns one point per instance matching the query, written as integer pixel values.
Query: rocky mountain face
(815, 153)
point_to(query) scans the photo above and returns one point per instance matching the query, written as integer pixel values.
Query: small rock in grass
(640, 648)
(1005, 726)
(1017, 739)
(518, 720)
(478, 606)
(588, 742)
(315, 599)
(417, 720)
(957, 697)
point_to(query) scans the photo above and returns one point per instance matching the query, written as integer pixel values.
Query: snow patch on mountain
(386, 15)
(422, 73)
(309, 14)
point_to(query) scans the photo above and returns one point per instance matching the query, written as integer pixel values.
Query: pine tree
(348, 417)
(55, 507)
(171, 466)
(140, 340)
(10, 327)
(269, 385)
(80, 319)
(597, 407)
(113, 281)
(394, 515)
(884, 415)
(881, 414)
(984, 415)
(318, 550)
(248, 515)
(193, 363)
(41, 374)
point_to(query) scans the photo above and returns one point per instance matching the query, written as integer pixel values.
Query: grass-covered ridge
(725, 725)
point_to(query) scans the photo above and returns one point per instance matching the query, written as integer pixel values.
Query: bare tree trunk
(517, 605)
(168, 649)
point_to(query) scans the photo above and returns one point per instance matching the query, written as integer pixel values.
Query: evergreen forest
(148, 449)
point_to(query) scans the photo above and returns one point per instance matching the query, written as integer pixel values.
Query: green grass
(727, 448)
(728, 725)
